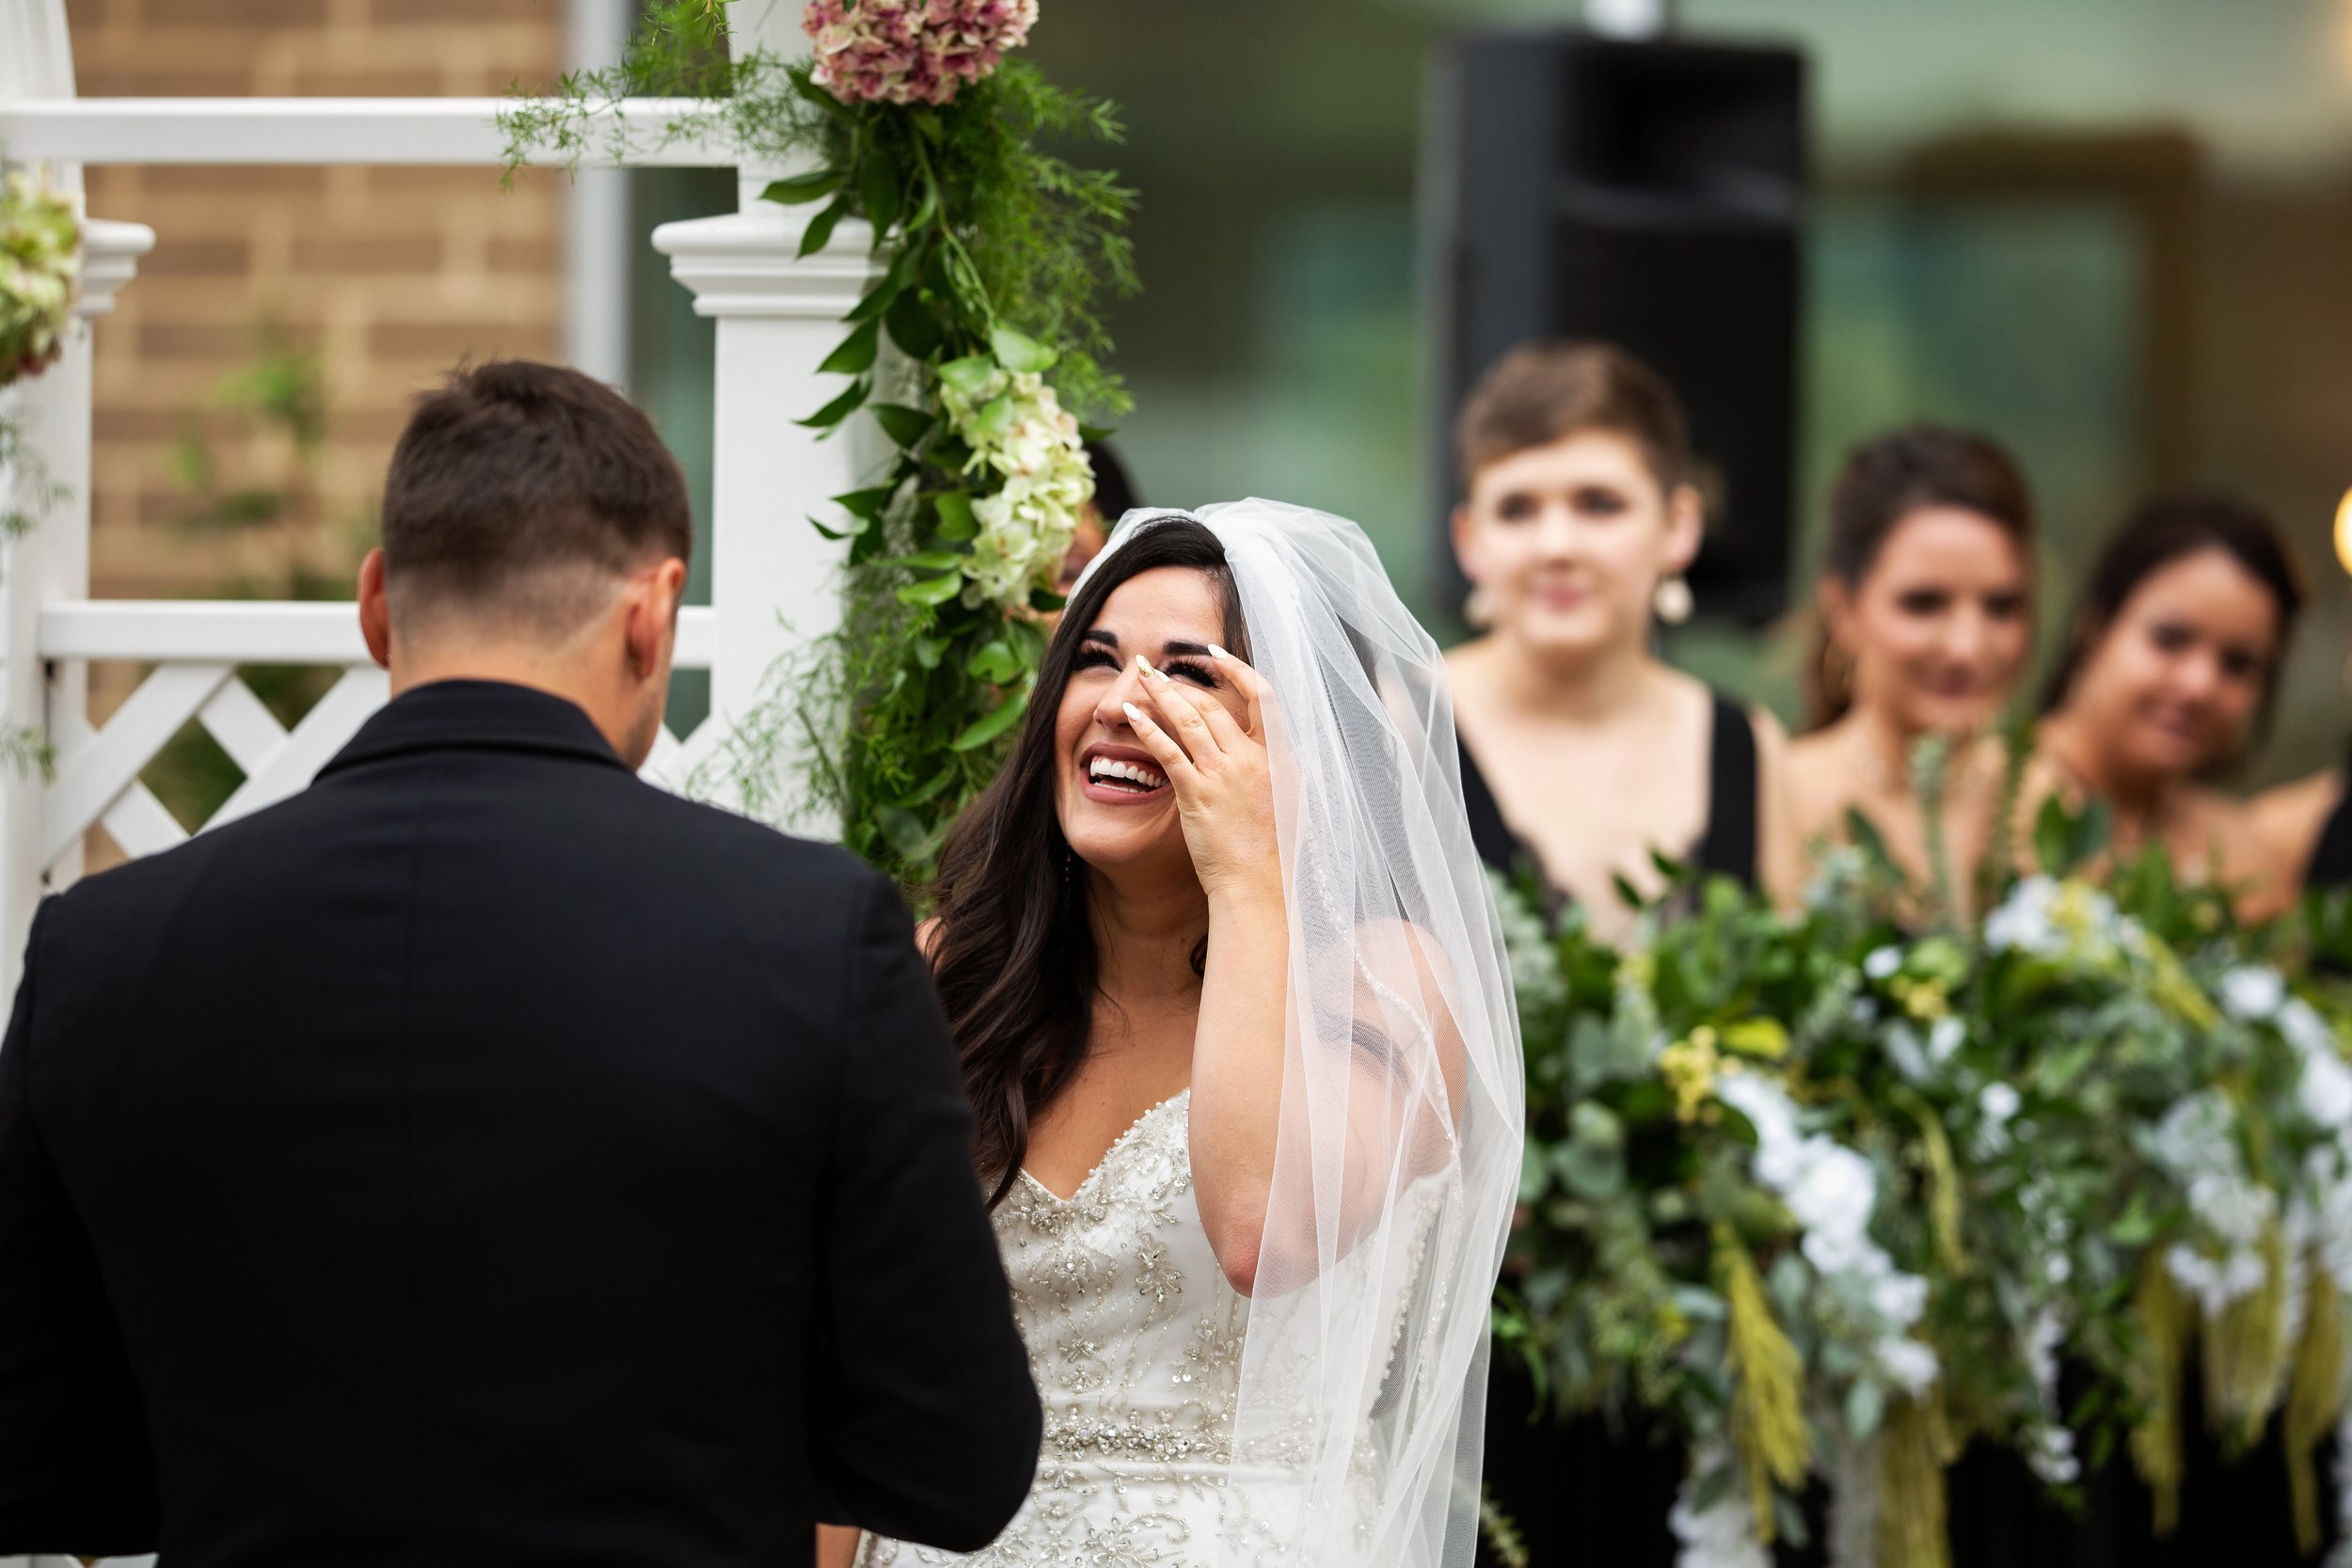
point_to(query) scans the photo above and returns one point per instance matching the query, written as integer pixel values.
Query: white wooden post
(52, 561)
(774, 583)
(49, 564)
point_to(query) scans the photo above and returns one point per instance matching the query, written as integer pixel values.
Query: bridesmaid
(1582, 750)
(2169, 671)
(1926, 602)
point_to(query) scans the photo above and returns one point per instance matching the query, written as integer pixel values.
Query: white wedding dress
(1135, 1339)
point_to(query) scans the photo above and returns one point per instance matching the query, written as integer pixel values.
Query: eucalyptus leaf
(905, 426)
(994, 419)
(839, 408)
(885, 293)
(1866, 1406)
(818, 234)
(813, 186)
(968, 376)
(956, 520)
(1020, 352)
(867, 503)
(933, 591)
(993, 722)
(993, 663)
(855, 354)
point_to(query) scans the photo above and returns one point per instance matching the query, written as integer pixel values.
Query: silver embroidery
(1135, 1338)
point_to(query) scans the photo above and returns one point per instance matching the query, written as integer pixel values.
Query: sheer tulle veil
(1357, 1434)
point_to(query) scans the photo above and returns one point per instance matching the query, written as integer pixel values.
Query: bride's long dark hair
(1015, 955)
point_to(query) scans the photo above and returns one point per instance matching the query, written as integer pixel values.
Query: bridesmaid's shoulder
(2285, 821)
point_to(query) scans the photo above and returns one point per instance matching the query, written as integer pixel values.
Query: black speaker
(1649, 192)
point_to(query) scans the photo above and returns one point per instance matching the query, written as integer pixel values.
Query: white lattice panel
(197, 649)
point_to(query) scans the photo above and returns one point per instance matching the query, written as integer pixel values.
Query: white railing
(198, 647)
(777, 317)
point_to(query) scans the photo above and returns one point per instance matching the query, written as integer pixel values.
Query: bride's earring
(1672, 601)
(1478, 610)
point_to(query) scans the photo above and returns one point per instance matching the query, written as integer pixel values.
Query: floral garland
(40, 271)
(40, 241)
(915, 120)
(1831, 1194)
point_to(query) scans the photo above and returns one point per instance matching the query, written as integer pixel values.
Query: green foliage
(34, 492)
(2065, 1103)
(276, 405)
(997, 260)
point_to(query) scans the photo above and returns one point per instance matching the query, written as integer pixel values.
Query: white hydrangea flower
(1722, 1534)
(1902, 1299)
(1907, 1364)
(1018, 429)
(2252, 992)
(2325, 1090)
(2023, 921)
(2305, 1030)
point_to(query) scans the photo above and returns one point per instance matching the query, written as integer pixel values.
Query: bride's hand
(1218, 768)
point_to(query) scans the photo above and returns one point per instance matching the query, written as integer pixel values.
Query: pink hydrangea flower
(911, 51)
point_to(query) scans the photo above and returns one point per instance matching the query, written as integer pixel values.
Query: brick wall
(392, 273)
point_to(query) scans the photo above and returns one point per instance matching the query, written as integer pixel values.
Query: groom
(484, 1158)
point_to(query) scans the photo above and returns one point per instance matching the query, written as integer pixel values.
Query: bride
(1227, 981)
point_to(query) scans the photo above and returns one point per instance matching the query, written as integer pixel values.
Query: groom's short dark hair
(519, 490)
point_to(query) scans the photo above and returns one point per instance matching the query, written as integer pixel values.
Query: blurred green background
(2115, 233)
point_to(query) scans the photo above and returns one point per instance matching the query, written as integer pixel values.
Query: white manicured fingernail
(1135, 714)
(1215, 651)
(1145, 665)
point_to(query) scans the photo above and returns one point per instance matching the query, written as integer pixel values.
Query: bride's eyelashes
(1094, 656)
(1199, 674)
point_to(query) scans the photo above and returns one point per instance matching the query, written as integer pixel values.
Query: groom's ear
(375, 611)
(650, 608)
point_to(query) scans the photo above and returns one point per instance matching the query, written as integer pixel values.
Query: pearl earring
(1672, 601)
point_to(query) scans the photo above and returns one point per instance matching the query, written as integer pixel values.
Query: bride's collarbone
(1113, 1090)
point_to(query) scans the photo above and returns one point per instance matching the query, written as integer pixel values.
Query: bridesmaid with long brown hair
(1926, 601)
(2170, 672)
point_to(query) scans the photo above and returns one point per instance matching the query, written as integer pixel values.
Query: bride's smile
(1120, 775)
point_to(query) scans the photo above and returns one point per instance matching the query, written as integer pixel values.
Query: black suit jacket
(484, 1158)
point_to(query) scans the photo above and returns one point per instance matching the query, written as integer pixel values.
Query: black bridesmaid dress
(1585, 1492)
(2332, 857)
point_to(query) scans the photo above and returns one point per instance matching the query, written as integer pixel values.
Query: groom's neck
(561, 673)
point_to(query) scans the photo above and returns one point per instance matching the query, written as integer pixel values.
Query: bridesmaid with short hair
(1583, 751)
(2170, 670)
(1926, 605)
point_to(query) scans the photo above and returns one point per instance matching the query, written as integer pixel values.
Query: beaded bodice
(1135, 1339)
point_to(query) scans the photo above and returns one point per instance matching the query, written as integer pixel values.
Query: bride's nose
(1111, 712)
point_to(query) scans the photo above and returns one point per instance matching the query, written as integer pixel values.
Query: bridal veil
(1358, 1434)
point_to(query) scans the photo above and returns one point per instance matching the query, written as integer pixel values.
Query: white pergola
(777, 317)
